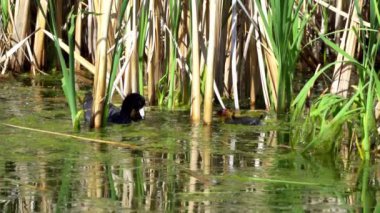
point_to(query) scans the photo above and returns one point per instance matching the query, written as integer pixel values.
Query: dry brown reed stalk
(249, 75)
(78, 32)
(248, 67)
(260, 58)
(195, 85)
(4, 43)
(134, 57)
(222, 52)
(183, 44)
(101, 66)
(215, 14)
(342, 13)
(21, 27)
(234, 54)
(92, 30)
(14, 48)
(111, 33)
(227, 68)
(151, 42)
(126, 70)
(253, 67)
(93, 140)
(204, 31)
(338, 19)
(39, 47)
(270, 60)
(271, 63)
(158, 53)
(342, 71)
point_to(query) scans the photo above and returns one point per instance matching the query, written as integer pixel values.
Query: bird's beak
(142, 112)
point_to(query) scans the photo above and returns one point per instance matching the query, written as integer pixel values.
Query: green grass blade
(338, 49)
(4, 13)
(143, 22)
(68, 80)
(300, 101)
(69, 85)
(115, 62)
(175, 11)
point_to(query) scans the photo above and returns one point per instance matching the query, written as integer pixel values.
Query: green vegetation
(330, 114)
(68, 80)
(249, 51)
(4, 14)
(283, 26)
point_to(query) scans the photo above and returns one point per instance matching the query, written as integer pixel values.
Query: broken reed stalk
(84, 62)
(92, 140)
(6, 56)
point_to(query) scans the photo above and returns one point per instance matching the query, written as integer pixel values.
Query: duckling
(230, 118)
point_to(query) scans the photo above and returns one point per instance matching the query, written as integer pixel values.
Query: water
(163, 164)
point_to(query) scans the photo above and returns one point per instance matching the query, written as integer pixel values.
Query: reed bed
(189, 53)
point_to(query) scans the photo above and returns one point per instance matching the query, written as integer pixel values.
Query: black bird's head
(133, 102)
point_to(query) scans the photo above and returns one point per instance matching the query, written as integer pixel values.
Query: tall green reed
(175, 11)
(68, 80)
(284, 29)
(369, 84)
(143, 23)
(119, 47)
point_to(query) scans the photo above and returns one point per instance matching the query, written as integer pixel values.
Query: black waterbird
(132, 109)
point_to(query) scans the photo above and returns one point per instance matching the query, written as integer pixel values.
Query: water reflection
(174, 166)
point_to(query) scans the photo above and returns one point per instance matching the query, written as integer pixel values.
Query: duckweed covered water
(169, 165)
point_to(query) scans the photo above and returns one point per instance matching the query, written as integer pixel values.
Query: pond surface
(162, 164)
